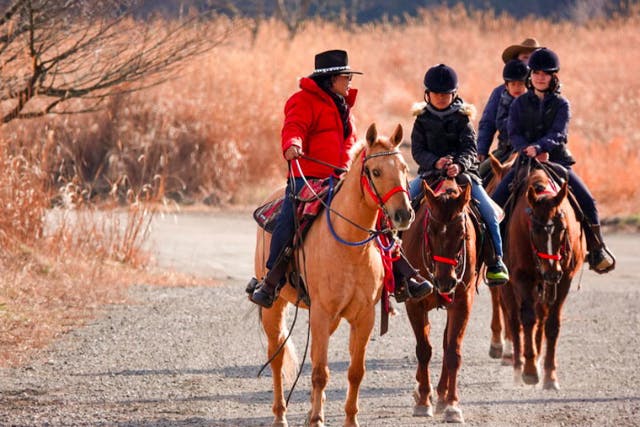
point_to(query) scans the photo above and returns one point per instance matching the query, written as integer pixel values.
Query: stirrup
(601, 264)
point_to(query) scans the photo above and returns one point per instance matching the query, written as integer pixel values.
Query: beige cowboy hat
(527, 46)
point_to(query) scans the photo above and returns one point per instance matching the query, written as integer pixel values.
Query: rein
(366, 182)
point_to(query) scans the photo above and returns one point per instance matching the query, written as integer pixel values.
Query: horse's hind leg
(358, 340)
(273, 323)
(496, 345)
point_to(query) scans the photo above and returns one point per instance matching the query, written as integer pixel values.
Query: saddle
(310, 202)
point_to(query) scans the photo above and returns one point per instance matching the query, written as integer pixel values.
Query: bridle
(458, 260)
(554, 225)
(368, 186)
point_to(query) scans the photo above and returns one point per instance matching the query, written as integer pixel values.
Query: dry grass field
(213, 132)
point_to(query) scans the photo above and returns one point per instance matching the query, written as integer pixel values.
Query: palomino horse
(344, 281)
(544, 252)
(442, 242)
(501, 345)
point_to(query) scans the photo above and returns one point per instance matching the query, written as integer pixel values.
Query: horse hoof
(530, 379)
(495, 350)
(280, 423)
(551, 385)
(517, 376)
(423, 411)
(453, 414)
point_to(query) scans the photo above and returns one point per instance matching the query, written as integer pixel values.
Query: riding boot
(408, 282)
(266, 289)
(600, 259)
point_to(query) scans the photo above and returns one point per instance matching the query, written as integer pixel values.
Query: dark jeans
(285, 225)
(579, 189)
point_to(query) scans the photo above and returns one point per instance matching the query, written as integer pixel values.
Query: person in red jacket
(319, 125)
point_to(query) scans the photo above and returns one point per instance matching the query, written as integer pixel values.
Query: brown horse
(544, 252)
(501, 345)
(442, 243)
(344, 281)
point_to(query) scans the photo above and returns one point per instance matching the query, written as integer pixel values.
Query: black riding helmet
(441, 79)
(515, 71)
(544, 60)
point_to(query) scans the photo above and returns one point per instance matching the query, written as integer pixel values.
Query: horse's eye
(376, 173)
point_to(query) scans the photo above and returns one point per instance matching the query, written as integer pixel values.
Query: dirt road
(189, 356)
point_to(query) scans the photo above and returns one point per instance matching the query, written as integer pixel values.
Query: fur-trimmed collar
(457, 105)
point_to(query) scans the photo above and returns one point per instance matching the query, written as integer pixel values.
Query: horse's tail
(290, 360)
(287, 349)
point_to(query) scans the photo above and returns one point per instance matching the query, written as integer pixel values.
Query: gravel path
(189, 356)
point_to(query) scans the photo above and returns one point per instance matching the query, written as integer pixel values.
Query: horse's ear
(532, 196)
(372, 134)
(561, 194)
(429, 194)
(496, 166)
(466, 193)
(396, 136)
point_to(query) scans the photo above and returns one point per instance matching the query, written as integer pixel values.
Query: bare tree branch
(52, 51)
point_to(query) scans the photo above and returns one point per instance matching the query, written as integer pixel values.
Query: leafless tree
(55, 51)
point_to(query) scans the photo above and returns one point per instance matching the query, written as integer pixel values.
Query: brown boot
(600, 258)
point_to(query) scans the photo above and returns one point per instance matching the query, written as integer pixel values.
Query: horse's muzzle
(552, 276)
(402, 218)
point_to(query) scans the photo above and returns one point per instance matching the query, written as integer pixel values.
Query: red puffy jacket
(312, 122)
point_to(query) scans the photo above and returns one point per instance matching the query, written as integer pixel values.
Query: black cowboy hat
(332, 62)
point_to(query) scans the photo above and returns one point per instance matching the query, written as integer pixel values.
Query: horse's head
(385, 176)
(548, 227)
(445, 233)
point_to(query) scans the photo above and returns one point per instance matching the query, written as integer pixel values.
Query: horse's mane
(356, 149)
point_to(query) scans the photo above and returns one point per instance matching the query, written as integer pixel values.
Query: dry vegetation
(213, 135)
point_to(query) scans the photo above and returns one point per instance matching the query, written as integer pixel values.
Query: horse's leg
(552, 331)
(496, 345)
(457, 319)
(512, 314)
(273, 323)
(507, 349)
(419, 319)
(358, 340)
(542, 312)
(321, 328)
(529, 320)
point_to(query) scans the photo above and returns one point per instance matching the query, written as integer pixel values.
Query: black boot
(265, 290)
(409, 284)
(265, 293)
(600, 259)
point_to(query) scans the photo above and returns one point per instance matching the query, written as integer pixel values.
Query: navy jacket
(437, 134)
(541, 123)
(487, 124)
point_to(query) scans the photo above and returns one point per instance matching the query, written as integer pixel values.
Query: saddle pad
(266, 214)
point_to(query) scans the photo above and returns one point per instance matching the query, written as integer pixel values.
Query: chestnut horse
(501, 345)
(544, 251)
(344, 279)
(442, 243)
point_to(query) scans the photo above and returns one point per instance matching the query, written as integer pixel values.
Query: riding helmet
(545, 60)
(515, 71)
(441, 79)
